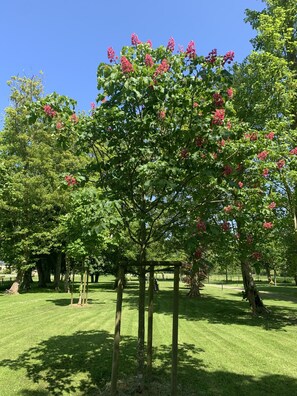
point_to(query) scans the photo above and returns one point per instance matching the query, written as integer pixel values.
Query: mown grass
(49, 348)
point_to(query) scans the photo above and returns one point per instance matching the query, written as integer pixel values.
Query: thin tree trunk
(117, 334)
(57, 273)
(251, 292)
(67, 276)
(150, 322)
(141, 326)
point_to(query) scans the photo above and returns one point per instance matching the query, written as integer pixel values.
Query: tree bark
(251, 292)
(57, 274)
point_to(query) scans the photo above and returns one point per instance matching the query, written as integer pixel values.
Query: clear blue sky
(67, 39)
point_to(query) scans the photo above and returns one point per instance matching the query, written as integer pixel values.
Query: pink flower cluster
(74, 118)
(148, 60)
(162, 114)
(218, 99)
(225, 226)
(281, 163)
(162, 68)
(228, 57)
(201, 226)
(262, 156)
(191, 51)
(265, 172)
(70, 180)
(134, 39)
(49, 111)
(227, 170)
(218, 117)
(293, 151)
(126, 65)
(240, 184)
(270, 135)
(228, 208)
(272, 205)
(268, 225)
(230, 92)
(184, 153)
(212, 56)
(110, 54)
(59, 125)
(171, 44)
(149, 42)
(257, 255)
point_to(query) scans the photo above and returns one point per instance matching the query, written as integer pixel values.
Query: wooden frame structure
(118, 317)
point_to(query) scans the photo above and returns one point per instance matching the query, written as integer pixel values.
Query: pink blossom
(256, 255)
(59, 125)
(162, 68)
(218, 100)
(228, 57)
(293, 151)
(93, 106)
(222, 143)
(74, 118)
(198, 253)
(272, 205)
(268, 225)
(262, 156)
(226, 226)
(270, 135)
(70, 180)
(229, 125)
(110, 54)
(49, 111)
(127, 66)
(191, 51)
(265, 172)
(240, 184)
(199, 141)
(149, 42)
(134, 39)
(218, 117)
(184, 153)
(212, 56)
(281, 163)
(230, 92)
(148, 60)
(171, 44)
(227, 170)
(162, 114)
(201, 226)
(195, 104)
(228, 208)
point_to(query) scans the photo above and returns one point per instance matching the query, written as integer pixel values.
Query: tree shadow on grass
(226, 310)
(80, 365)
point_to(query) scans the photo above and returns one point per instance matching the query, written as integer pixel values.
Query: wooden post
(150, 322)
(117, 334)
(175, 332)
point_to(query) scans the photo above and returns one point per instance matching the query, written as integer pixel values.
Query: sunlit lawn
(50, 348)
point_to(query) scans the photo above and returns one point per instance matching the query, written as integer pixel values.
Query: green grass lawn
(50, 348)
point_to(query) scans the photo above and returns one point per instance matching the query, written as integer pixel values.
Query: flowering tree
(155, 132)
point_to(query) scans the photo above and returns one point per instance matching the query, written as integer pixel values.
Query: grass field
(48, 347)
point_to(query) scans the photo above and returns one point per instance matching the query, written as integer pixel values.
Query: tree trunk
(67, 276)
(251, 292)
(15, 287)
(41, 265)
(295, 278)
(27, 280)
(141, 326)
(57, 273)
(268, 274)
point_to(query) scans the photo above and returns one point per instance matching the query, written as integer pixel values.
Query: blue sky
(67, 39)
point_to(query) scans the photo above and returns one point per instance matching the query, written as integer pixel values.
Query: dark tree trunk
(27, 280)
(57, 273)
(295, 278)
(251, 292)
(41, 267)
(268, 274)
